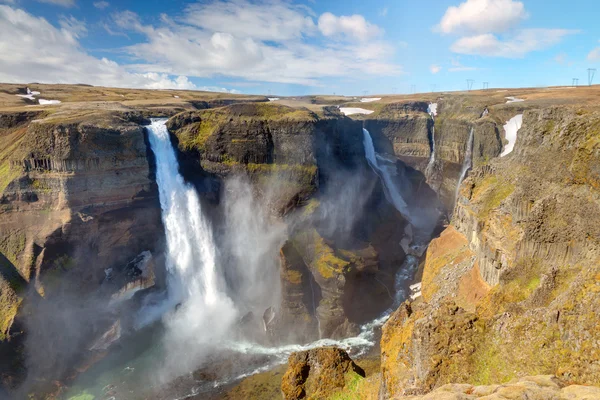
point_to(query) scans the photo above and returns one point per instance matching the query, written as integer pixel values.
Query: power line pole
(433, 88)
(486, 85)
(575, 82)
(591, 73)
(470, 84)
(394, 90)
(413, 89)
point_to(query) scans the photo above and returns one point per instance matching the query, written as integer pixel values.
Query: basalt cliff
(506, 292)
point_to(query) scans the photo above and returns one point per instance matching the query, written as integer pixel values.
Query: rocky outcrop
(509, 288)
(318, 373)
(270, 143)
(542, 387)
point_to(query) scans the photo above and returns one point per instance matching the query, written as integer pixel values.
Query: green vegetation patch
(316, 252)
(489, 194)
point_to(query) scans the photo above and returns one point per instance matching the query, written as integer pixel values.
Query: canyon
(405, 252)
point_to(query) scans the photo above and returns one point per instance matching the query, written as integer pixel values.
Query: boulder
(318, 373)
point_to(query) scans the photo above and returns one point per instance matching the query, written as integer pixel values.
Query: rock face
(509, 289)
(309, 169)
(542, 387)
(76, 198)
(318, 373)
(409, 133)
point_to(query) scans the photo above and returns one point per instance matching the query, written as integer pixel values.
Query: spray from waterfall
(201, 311)
(467, 163)
(432, 110)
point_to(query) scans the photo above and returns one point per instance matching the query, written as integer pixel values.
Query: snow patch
(44, 102)
(369, 99)
(176, 97)
(511, 99)
(273, 98)
(355, 110)
(27, 96)
(511, 128)
(432, 109)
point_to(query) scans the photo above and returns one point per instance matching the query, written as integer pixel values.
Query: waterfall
(195, 283)
(432, 110)
(467, 163)
(386, 170)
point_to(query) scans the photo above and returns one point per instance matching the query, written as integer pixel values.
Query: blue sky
(291, 48)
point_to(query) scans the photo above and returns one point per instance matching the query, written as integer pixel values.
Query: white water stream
(432, 110)
(195, 282)
(467, 163)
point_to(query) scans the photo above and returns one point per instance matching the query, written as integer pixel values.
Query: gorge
(191, 247)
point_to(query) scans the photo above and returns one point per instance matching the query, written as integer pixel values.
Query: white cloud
(73, 26)
(525, 41)
(351, 26)
(482, 16)
(435, 69)
(41, 52)
(175, 48)
(256, 49)
(62, 3)
(101, 5)
(458, 67)
(269, 20)
(383, 12)
(594, 55)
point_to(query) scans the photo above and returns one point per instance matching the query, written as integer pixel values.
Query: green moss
(351, 390)
(195, 136)
(517, 285)
(319, 254)
(489, 194)
(8, 174)
(9, 306)
(490, 367)
(83, 396)
(310, 207)
(12, 245)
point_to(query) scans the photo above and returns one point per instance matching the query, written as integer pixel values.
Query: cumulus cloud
(350, 26)
(526, 41)
(62, 3)
(488, 29)
(264, 41)
(55, 56)
(101, 5)
(435, 69)
(261, 41)
(270, 20)
(482, 16)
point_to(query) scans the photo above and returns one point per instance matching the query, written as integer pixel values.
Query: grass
(11, 143)
(352, 388)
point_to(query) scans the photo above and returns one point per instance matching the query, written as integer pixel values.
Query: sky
(278, 47)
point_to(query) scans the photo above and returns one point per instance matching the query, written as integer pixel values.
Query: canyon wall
(509, 288)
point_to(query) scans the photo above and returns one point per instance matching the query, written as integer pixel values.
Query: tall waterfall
(194, 282)
(467, 162)
(432, 110)
(386, 170)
